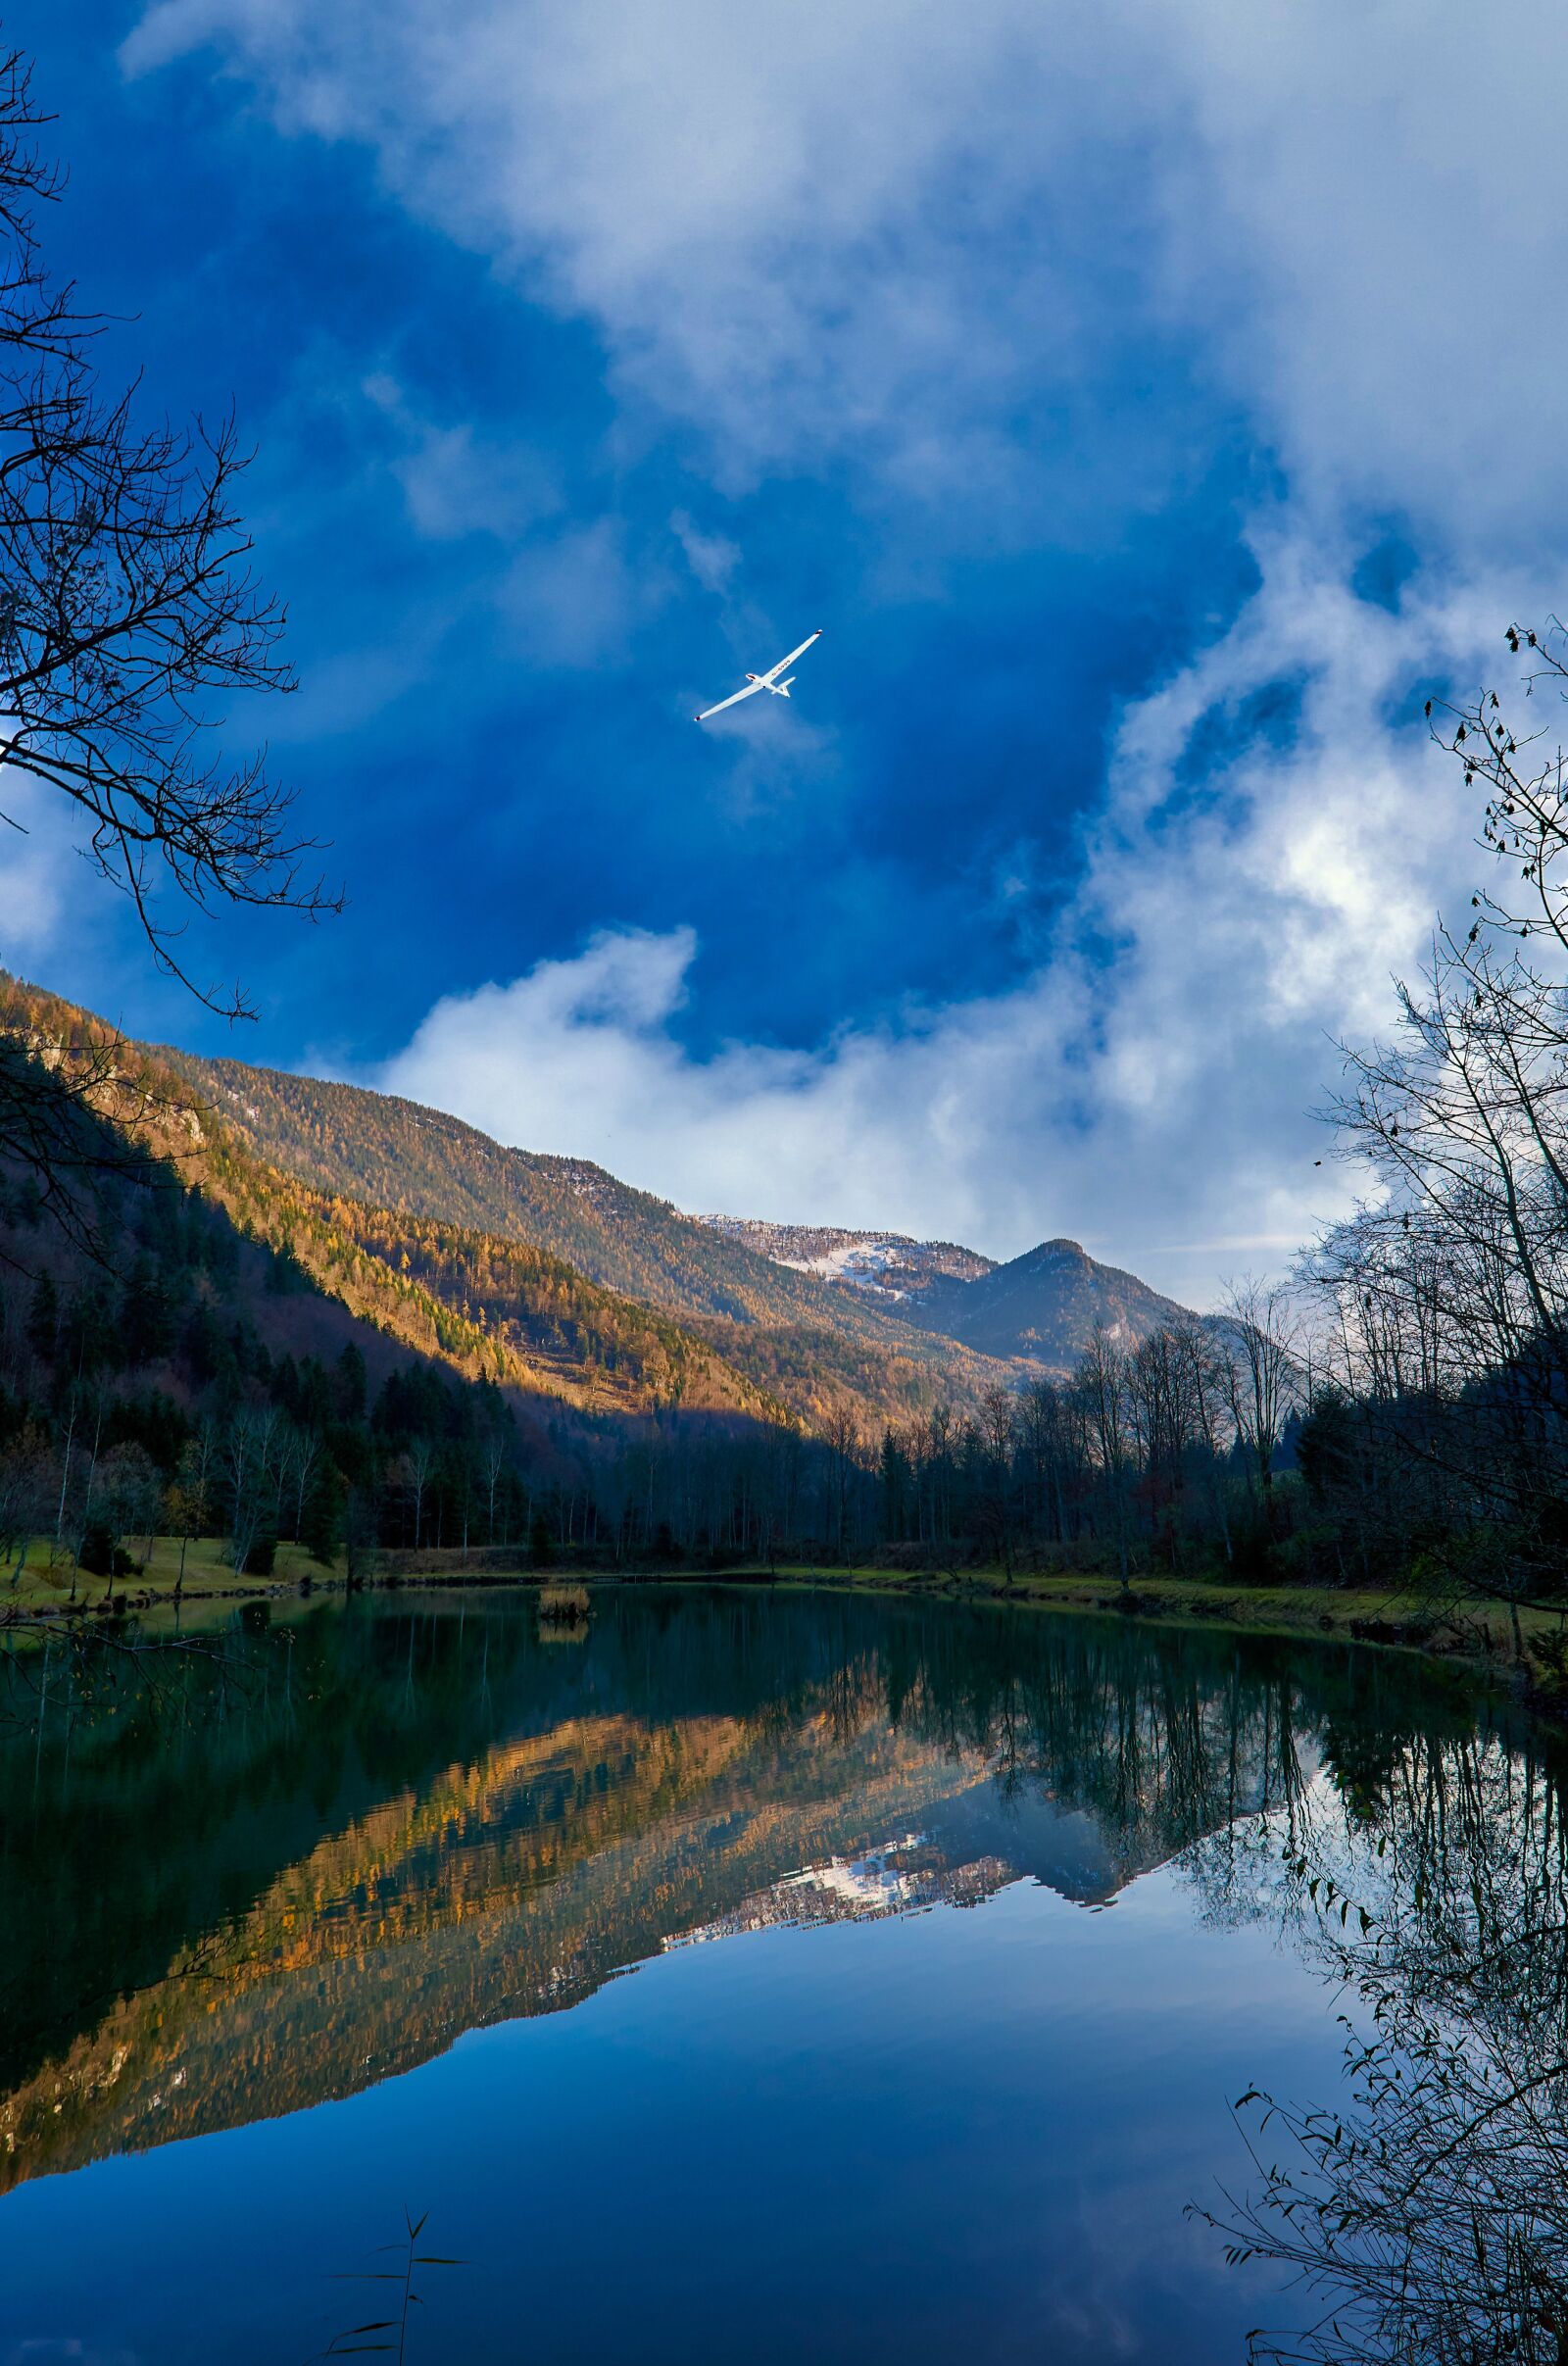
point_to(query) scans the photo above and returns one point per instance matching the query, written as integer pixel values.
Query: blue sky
(1149, 406)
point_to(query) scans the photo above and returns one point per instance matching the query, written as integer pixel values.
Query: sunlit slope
(792, 1335)
(501, 1310)
(396, 1155)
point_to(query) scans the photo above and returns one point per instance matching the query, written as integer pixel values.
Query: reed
(564, 1605)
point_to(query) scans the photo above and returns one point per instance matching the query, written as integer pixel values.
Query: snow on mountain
(889, 1265)
(1042, 1307)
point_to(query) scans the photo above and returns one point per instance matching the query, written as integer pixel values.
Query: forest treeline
(216, 1350)
(181, 1374)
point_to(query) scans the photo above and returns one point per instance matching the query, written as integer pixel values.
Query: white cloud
(893, 229)
(458, 482)
(713, 558)
(36, 873)
(1176, 1074)
(573, 598)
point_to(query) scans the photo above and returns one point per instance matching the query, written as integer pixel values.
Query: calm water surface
(753, 1976)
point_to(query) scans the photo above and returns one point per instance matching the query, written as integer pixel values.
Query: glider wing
(751, 690)
(794, 654)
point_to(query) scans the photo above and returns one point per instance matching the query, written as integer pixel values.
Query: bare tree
(1101, 1380)
(1263, 1369)
(495, 1462)
(129, 1497)
(1449, 1287)
(1426, 2205)
(26, 1495)
(1207, 1381)
(250, 1474)
(420, 1459)
(998, 1427)
(190, 1495)
(842, 1434)
(127, 605)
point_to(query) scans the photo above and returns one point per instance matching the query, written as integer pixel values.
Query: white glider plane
(764, 681)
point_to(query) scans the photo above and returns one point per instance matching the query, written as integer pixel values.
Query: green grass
(1484, 1632)
(46, 1582)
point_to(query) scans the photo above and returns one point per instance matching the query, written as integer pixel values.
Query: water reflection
(1425, 2205)
(235, 1885)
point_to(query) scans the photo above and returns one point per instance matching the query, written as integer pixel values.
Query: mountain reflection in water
(241, 1883)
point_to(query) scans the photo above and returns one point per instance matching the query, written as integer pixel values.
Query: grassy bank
(49, 1585)
(1479, 1632)
(1389, 1613)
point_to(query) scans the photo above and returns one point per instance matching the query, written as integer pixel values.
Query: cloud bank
(918, 234)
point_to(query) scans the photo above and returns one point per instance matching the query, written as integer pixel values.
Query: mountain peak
(1046, 1306)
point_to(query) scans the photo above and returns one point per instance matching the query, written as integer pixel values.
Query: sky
(1151, 404)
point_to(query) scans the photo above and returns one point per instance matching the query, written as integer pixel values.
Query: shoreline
(1472, 1635)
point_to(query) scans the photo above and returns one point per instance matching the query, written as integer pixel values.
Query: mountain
(307, 1271)
(1040, 1308)
(792, 1334)
(548, 1276)
(807, 1313)
(1045, 1304)
(887, 1265)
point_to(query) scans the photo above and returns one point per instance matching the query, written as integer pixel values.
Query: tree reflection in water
(240, 1882)
(1427, 2211)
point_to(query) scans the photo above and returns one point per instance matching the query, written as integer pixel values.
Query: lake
(745, 1975)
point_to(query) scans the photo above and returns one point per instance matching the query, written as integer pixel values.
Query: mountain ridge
(550, 1274)
(1046, 1304)
(776, 1323)
(835, 1290)
(1039, 1308)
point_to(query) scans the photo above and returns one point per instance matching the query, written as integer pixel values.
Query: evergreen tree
(88, 1340)
(43, 1318)
(321, 1529)
(205, 1349)
(146, 1314)
(895, 1473)
(350, 1380)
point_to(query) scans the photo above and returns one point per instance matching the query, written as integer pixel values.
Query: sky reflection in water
(371, 1887)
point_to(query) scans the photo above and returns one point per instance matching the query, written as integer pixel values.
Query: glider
(764, 681)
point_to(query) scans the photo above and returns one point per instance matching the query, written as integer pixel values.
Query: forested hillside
(195, 1340)
(198, 1339)
(197, 1343)
(792, 1334)
(189, 1339)
(490, 1309)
